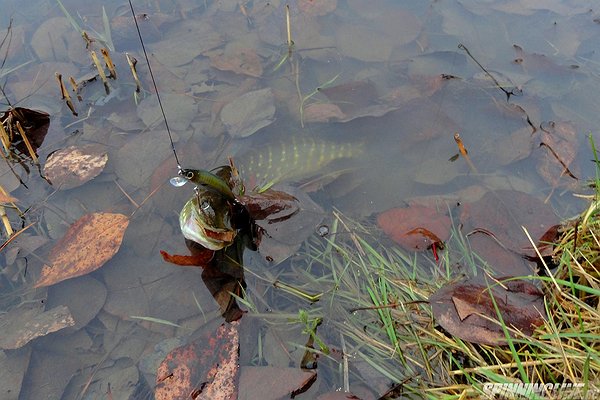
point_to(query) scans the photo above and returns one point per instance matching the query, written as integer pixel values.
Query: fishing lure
(203, 178)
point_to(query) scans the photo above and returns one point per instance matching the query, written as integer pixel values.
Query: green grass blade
(156, 320)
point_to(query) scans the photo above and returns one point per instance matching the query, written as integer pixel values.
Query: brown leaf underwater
(462, 309)
(206, 368)
(89, 243)
(23, 324)
(73, 166)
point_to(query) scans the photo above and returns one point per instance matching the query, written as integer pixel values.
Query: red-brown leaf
(196, 260)
(240, 61)
(207, 368)
(460, 309)
(415, 227)
(272, 205)
(90, 242)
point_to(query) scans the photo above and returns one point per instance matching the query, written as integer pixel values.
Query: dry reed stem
(4, 139)
(5, 221)
(132, 62)
(27, 144)
(100, 69)
(109, 63)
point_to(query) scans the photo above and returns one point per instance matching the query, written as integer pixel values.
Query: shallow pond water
(360, 113)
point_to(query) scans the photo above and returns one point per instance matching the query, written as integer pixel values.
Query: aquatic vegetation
(377, 298)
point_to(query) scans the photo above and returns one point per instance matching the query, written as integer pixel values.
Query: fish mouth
(196, 229)
(211, 238)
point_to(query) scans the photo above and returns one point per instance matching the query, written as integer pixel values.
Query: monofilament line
(154, 84)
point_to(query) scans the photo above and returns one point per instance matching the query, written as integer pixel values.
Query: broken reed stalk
(63, 90)
(88, 40)
(4, 139)
(65, 93)
(100, 71)
(75, 88)
(3, 216)
(27, 143)
(6, 222)
(132, 61)
(288, 24)
(109, 63)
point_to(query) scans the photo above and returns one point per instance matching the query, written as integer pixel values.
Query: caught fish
(291, 161)
(206, 219)
(214, 217)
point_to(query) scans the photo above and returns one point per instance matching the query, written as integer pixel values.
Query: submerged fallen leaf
(197, 260)
(23, 324)
(271, 205)
(90, 242)
(73, 166)
(224, 278)
(463, 309)
(375, 39)
(64, 367)
(514, 147)
(317, 8)
(352, 96)
(323, 112)
(34, 123)
(559, 149)
(207, 368)
(84, 296)
(179, 109)
(283, 235)
(181, 45)
(242, 61)
(415, 227)
(51, 39)
(547, 241)
(503, 212)
(338, 396)
(13, 367)
(272, 383)
(249, 112)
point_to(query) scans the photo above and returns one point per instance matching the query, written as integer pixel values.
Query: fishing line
(162, 110)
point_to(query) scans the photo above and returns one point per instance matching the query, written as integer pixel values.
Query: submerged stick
(498, 85)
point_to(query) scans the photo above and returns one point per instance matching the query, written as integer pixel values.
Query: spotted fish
(292, 160)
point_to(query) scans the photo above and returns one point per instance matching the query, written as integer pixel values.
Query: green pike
(291, 161)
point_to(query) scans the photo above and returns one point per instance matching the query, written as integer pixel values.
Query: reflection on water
(370, 98)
